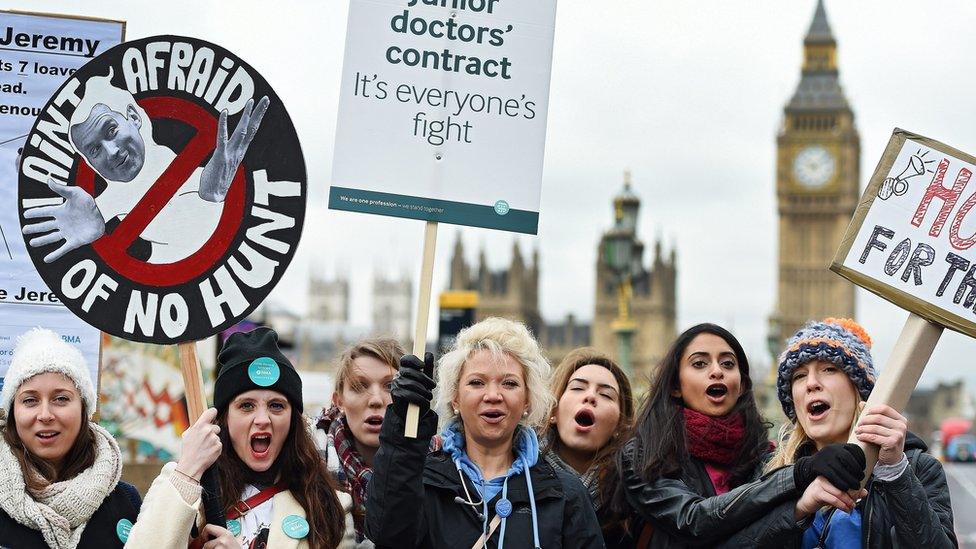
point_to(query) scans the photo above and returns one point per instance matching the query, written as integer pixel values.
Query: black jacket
(411, 500)
(100, 531)
(686, 512)
(911, 511)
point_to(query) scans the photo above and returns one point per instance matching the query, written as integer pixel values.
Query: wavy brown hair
(385, 349)
(39, 474)
(300, 468)
(603, 460)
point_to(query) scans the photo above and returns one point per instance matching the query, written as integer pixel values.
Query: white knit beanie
(40, 351)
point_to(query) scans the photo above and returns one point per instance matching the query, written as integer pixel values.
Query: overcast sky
(687, 95)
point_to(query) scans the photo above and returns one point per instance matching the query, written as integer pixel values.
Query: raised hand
(201, 445)
(219, 172)
(77, 221)
(412, 385)
(884, 426)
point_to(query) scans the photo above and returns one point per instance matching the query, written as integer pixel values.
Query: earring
(525, 413)
(455, 411)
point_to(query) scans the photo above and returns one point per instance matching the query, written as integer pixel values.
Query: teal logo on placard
(501, 207)
(264, 371)
(234, 527)
(295, 526)
(123, 528)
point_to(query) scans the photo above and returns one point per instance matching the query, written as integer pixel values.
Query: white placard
(37, 54)
(442, 112)
(913, 239)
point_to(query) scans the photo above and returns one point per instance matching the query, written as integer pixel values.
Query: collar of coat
(440, 473)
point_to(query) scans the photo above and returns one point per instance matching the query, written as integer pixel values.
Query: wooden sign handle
(901, 374)
(196, 404)
(423, 311)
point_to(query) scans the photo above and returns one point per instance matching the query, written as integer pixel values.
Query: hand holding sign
(201, 445)
(77, 221)
(228, 153)
(884, 427)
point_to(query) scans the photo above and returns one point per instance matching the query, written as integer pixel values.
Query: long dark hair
(659, 430)
(39, 474)
(302, 470)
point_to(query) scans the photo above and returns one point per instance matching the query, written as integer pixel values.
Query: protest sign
(442, 111)
(442, 117)
(39, 52)
(911, 242)
(162, 190)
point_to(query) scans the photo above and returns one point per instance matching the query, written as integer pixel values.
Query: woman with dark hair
(274, 486)
(59, 471)
(588, 425)
(699, 445)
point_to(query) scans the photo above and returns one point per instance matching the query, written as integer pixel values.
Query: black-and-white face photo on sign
(162, 190)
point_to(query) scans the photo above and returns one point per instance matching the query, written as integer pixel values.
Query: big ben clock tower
(817, 175)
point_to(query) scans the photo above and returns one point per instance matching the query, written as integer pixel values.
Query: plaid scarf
(590, 479)
(353, 477)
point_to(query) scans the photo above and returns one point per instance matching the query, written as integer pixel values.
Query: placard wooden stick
(901, 374)
(423, 311)
(196, 401)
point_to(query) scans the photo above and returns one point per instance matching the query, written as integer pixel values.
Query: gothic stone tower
(817, 175)
(653, 305)
(510, 293)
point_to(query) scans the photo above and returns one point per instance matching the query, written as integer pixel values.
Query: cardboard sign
(442, 112)
(911, 240)
(162, 190)
(39, 52)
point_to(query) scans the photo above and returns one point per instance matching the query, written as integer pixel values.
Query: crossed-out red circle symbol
(112, 247)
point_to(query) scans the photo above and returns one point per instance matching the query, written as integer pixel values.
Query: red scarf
(716, 440)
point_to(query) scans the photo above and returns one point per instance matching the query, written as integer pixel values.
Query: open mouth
(717, 390)
(260, 443)
(817, 409)
(47, 435)
(374, 422)
(493, 416)
(585, 418)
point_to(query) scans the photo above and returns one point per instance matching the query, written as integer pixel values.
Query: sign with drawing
(40, 51)
(442, 111)
(162, 190)
(912, 237)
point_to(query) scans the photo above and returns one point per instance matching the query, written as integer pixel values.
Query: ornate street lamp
(619, 256)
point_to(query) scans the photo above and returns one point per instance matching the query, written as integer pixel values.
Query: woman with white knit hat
(59, 472)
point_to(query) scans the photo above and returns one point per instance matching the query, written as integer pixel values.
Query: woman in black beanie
(274, 487)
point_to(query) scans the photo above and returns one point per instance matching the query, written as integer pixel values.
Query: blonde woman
(488, 484)
(825, 375)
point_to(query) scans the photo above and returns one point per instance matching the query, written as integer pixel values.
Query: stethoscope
(467, 494)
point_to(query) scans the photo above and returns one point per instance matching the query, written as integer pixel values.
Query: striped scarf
(590, 478)
(355, 473)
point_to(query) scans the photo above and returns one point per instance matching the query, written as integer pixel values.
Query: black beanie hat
(252, 360)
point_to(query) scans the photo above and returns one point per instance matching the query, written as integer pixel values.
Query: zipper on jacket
(737, 498)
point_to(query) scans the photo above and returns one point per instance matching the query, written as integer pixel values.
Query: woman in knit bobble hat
(59, 472)
(825, 374)
(274, 487)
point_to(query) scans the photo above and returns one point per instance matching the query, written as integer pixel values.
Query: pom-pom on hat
(252, 360)
(40, 351)
(840, 341)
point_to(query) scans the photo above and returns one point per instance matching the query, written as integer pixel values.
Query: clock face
(813, 166)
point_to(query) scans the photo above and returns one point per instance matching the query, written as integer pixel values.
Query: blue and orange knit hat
(838, 340)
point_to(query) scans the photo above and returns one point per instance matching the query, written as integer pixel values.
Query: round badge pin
(503, 508)
(234, 527)
(122, 529)
(264, 371)
(502, 207)
(295, 526)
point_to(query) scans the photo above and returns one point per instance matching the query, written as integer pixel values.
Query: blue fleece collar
(526, 448)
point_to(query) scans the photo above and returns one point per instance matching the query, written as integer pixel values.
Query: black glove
(412, 385)
(841, 464)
